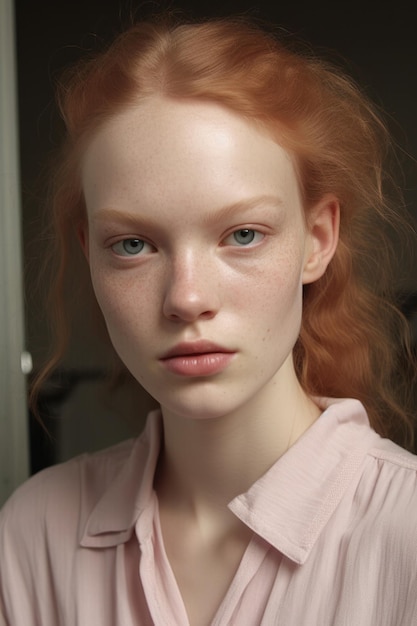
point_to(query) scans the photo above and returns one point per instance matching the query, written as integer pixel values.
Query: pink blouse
(334, 537)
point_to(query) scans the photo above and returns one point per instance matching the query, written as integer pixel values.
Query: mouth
(199, 347)
(197, 358)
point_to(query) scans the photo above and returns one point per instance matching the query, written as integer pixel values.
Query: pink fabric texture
(334, 537)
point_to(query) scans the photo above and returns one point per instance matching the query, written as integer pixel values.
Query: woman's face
(198, 251)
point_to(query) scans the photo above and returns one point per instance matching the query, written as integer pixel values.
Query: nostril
(188, 313)
(180, 305)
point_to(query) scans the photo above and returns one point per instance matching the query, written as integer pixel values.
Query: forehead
(184, 152)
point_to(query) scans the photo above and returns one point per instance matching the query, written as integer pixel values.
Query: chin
(197, 412)
(198, 408)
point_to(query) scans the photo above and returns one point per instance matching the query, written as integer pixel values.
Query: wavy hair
(353, 340)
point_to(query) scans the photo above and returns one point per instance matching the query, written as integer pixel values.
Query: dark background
(376, 44)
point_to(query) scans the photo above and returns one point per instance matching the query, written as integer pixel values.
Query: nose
(191, 292)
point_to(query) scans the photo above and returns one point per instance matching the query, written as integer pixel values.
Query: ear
(82, 234)
(323, 235)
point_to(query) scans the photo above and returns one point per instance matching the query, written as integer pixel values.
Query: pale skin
(196, 231)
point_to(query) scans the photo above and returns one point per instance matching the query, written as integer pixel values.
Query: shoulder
(392, 472)
(43, 524)
(393, 455)
(386, 505)
(58, 501)
(40, 529)
(378, 510)
(53, 498)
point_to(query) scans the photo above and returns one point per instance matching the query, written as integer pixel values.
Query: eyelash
(140, 245)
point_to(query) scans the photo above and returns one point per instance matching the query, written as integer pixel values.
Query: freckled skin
(181, 164)
(196, 231)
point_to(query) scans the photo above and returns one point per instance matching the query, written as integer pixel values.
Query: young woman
(229, 195)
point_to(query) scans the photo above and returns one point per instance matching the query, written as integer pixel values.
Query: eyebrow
(133, 219)
(244, 206)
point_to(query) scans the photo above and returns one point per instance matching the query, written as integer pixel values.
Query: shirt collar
(110, 520)
(290, 504)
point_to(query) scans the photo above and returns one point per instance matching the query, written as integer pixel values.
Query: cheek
(275, 289)
(121, 302)
(103, 289)
(127, 321)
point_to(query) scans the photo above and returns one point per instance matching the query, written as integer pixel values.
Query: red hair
(353, 340)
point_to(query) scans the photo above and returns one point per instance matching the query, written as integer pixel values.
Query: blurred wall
(13, 407)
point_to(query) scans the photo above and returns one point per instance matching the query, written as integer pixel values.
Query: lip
(201, 346)
(197, 358)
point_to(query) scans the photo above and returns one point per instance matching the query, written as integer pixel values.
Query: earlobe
(323, 235)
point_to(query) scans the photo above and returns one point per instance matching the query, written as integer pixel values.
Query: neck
(205, 463)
